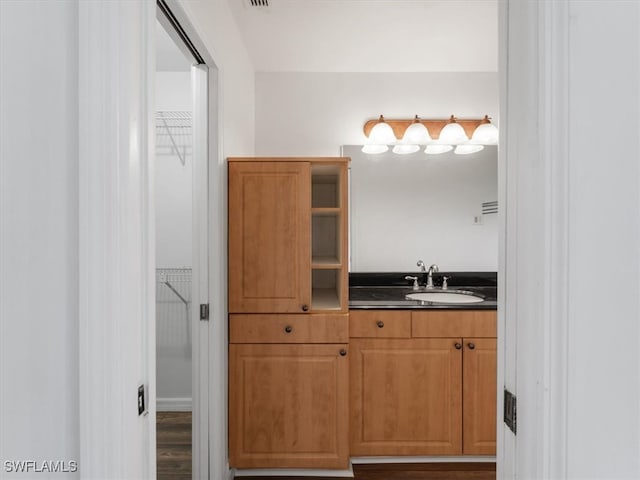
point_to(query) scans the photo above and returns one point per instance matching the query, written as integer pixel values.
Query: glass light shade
(452, 134)
(416, 134)
(403, 149)
(436, 149)
(371, 148)
(486, 134)
(382, 134)
(467, 149)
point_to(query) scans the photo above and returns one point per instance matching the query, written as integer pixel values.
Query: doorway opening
(174, 258)
(182, 268)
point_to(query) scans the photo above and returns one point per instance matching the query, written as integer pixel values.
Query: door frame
(209, 422)
(533, 280)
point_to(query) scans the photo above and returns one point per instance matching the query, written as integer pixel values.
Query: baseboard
(441, 459)
(174, 404)
(290, 472)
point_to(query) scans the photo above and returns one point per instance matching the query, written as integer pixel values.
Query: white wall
(426, 206)
(217, 28)
(315, 113)
(39, 233)
(604, 226)
(571, 256)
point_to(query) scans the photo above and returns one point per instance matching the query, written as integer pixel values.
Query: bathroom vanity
(422, 377)
(325, 365)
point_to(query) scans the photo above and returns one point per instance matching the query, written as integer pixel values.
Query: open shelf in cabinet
(326, 290)
(328, 241)
(325, 186)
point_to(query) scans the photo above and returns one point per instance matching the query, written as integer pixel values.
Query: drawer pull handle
(458, 346)
(305, 308)
(471, 346)
(380, 323)
(288, 329)
(343, 352)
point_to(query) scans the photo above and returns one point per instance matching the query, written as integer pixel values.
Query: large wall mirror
(417, 206)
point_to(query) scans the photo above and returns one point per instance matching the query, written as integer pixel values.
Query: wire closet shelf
(173, 134)
(173, 306)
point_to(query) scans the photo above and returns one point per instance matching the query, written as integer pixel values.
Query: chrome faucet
(432, 269)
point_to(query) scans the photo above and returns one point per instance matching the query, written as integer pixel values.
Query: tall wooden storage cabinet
(288, 321)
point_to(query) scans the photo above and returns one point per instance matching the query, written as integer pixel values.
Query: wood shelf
(326, 263)
(325, 299)
(326, 211)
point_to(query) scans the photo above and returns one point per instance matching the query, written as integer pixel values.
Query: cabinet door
(288, 406)
(269, 237)
(479, 396)
(406, 397)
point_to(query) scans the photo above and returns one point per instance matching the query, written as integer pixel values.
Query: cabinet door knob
(380, 323)
(288, 329)
(343, 352)
(305, 308)
(458, 346)
(471, 346)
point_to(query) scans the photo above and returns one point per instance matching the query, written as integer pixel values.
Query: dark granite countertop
(388, 290)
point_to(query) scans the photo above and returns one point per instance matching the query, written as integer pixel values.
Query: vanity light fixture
(439, 135)
(436, 149)
(452, 133)
(414, 136)
(467, 148)
(486, 133)
(380, 137)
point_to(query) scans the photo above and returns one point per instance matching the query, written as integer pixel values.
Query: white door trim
(200, 330)
(116, 230)
(533, 281)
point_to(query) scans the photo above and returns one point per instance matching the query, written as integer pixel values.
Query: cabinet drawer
(454, 323)
(288, 328)
(380, 324)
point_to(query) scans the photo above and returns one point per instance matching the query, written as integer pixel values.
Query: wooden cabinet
(288, 322)
(269, 237)
(406, 397)
(287, 235)
(380, 324)
(288, 406)
(479, 396)
(431, 392)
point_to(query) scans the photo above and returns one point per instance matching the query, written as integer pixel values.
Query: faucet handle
(415, 281)
(444, 282)
(421, 264)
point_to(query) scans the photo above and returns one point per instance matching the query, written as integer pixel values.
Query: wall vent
(258, 3)
(489, 207)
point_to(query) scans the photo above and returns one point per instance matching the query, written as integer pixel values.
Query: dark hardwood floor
(173, 445)
(174, 459)
(410, 471)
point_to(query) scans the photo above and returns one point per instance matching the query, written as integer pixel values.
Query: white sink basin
(445, 297)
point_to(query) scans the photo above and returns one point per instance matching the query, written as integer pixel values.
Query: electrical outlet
(141, 405)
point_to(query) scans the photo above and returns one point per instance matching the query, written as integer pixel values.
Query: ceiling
(370, 35)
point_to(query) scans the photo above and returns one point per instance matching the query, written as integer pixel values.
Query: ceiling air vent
(259, 3)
